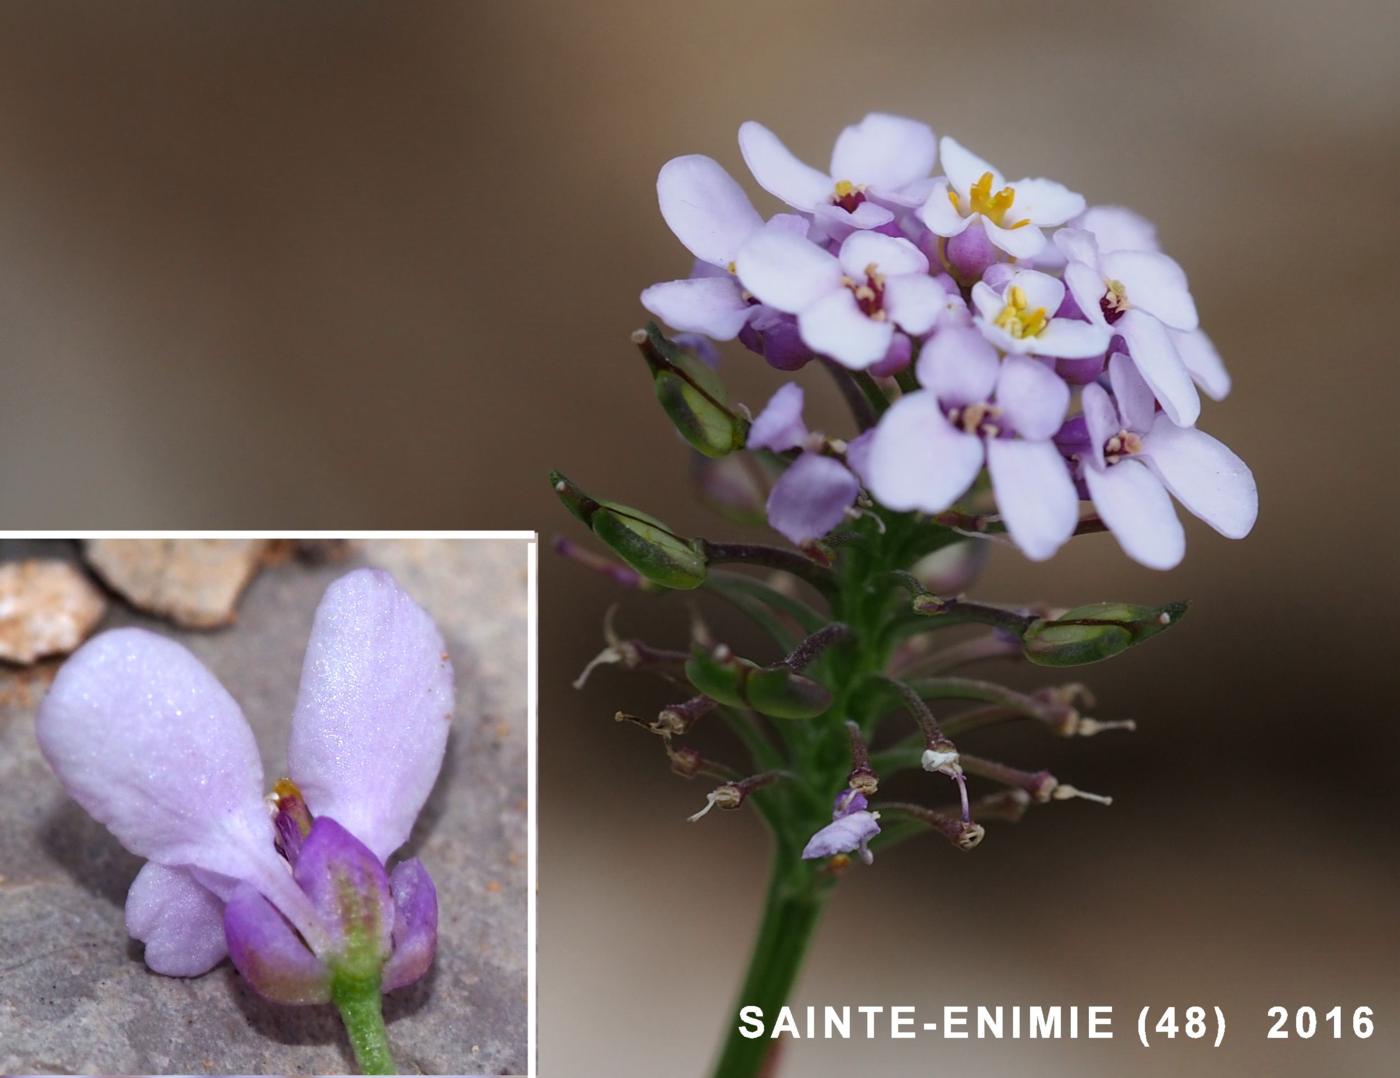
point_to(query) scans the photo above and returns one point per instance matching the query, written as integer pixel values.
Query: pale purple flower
(882, 159)
(1020, 317)
(852, 826)
(813, 494)
(150, 744)
(847, 305)
(709, 213)
(1141, 296)
(976, 408)
(1011, 215)
(1138, 458)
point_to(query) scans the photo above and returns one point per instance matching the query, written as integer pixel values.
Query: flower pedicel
(293, 887)
(1007, 354)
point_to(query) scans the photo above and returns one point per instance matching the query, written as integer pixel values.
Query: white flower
(1021, 319)
(1011, 214)
(847, 305)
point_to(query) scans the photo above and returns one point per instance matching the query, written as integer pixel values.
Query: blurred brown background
(374, 265)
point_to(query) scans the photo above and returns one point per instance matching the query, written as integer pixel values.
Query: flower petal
(1078, 245)
(1041, 290)
(842, 835)
(959, 366)
(1138, 511)
(1033, 398)
(884, 151)
(917, 460)
(415, 925)
(1203, 362)
(889, 254)
(835, 326)
(838, 221)
(150, 744)
(713, 306)
(915, 302)
(1045, 202)
(348, 887)
(1204, 476)
(1034, 494)
(1158, 363)
(811, 497)
(1118, 229)
(1100, 419)
(1086, 285)
(780, 173)
(1066, 338)
(706, 209)
(180, 921)
(939, 213)
(786, 271)
(373, 710)
(1023, 242)
(267, 952)
(779, 426)
(963, 167)
(1136, 403)
(1155, 284)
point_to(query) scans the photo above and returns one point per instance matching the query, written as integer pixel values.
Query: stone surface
(74, 994)
(195, 583)
(47, 607)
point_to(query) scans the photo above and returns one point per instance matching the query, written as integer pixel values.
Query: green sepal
(692, 395)
(776, 691)
(1090, 634)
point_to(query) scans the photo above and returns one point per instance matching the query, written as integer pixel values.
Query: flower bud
(640, 540)
(691, 393)
(1089, 634)
(771, 690)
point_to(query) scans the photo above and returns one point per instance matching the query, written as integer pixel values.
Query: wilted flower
(852, 826)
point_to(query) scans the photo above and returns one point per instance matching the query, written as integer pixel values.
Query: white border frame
(532, 614)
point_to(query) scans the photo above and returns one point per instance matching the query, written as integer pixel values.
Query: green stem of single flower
(358, 1000)
(796, 897)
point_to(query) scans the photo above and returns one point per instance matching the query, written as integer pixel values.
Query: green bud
(691, 393)
(640, 540)
(1090, 634)
(770, 690)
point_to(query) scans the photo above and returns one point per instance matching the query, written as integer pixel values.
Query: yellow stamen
(1116, 298)
(994, 207)
(845, 188)
(1017, 319)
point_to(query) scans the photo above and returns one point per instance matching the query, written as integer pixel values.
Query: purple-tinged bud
(971, 253)
(735, 486)
(954, 568)
(895, 359)
(1080, 372)
(775, 337)
(685, 761)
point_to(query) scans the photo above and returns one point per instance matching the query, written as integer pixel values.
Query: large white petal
(1045, 202)
(835, 326)
(706, 209)
(713, 306)
(780, 173)
(1077, 245)
(1068, 338)
(1086, 285)
(889, 254)
(959, 366)
(1136, 402)
(1033, 398)
(1100, 418)
(1041, 290)
(884, 151)
(1034, 494)
(915, 302)
(180, 921)
(939, 214)
(1157, 361)
(786, 271)
(964, 168)
(917, 460)
(373, 710)
(1023, 242)
(1155, 284)
(1138, 511)
(1118, 229)
(1204, 475)
(1204, 362)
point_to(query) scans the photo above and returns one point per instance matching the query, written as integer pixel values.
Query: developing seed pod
(1090, 634)
(691, 394)
(770, 690)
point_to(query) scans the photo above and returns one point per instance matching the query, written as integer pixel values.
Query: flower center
(976, 419)
(870, 294)
(994, 207)
(1017, 319)
(848, 195)
(1115, 301)
(1123, 444)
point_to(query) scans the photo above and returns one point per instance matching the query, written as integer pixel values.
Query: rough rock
(47, 607)
(195, 583)
(75, 996)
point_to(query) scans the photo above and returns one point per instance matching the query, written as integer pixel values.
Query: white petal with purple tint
(180, 921)
(1155, 284)
(779, 172)
(959, 366)
(890, 255)
(917, 460)
(1158, 363)
(886, 152)
(1033, 398)
(786, 271)
(1138, 511)
(915, 302)
(1203, 362)
(706, 209)
(811, 497)
(779, 426)
(1034, 494)
(835, 326)
(713, 306)
(1204, 476)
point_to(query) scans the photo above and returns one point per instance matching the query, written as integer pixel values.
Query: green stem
(796, 896)
(358, 1001)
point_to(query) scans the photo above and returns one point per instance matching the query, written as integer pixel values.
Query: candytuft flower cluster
(993, 305)
(293, 887)
(1018, 367)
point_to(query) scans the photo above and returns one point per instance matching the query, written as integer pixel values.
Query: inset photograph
(264, 804)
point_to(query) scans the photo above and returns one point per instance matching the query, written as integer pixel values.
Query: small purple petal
(842, 835)
(415, 925)
(180, 921)
(347, 885)
(779, 426)
(847, 802)
(811, 497)
(268, 953)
